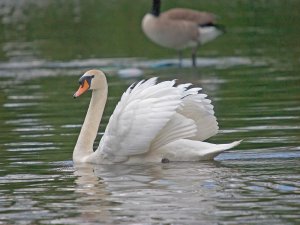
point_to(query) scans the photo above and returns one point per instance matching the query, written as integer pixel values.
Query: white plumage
(153, 121)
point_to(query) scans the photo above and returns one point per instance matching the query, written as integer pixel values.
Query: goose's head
(91, 80)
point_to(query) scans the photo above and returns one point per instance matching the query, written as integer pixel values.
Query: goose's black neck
(155, 8)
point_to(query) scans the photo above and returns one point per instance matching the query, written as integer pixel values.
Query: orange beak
(83, 88)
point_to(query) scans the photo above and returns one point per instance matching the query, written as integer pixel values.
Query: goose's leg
(180, 58)
(194, 56)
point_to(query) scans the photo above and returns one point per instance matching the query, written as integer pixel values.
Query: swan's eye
(85, 78)
(81, 81)
(89, 79)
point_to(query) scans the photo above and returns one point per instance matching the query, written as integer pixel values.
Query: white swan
(180, 28)
(153, 122)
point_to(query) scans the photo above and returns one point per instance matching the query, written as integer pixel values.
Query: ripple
(16, 178)
(23, 121)
(41, 68)
(71, 126)
(20, 104)
(35, 128)
(24, 97)
(29, 146)
(267, 153)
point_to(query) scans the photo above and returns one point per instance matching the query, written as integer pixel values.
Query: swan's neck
(88, 133)
(155, 8)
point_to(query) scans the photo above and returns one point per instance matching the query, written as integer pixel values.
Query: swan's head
(91, 80)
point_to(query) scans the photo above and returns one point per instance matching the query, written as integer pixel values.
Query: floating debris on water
(130, 72)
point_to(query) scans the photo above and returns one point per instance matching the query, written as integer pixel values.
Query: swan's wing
(142, 112)
(201, 18)
(194, 119)
(178, 127)
(198, 108)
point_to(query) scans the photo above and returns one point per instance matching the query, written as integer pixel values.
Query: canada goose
(153, 122)
(180, 28)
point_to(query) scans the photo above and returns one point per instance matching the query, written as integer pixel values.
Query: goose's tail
(209, 32)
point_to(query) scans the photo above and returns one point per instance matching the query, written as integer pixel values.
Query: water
(251, 74)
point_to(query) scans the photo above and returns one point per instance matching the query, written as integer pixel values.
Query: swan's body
(180, 28)
(153, 122)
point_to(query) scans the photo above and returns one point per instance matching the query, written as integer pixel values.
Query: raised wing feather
(178, 127)
(139, 116)
(198, 108)
(194, 119)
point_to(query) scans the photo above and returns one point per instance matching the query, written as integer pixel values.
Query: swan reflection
(153, 191)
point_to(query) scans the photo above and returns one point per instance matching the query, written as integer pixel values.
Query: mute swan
(153, 122)
(180, 28)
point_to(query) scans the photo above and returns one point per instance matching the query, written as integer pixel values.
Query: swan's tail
(190, 150)
(212, 150)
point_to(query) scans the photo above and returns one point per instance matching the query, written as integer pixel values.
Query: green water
(251, 73)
